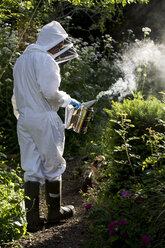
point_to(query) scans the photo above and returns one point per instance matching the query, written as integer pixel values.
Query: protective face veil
(66, 53)
(56, 35)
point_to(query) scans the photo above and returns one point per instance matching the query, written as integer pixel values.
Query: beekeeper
(36, 100)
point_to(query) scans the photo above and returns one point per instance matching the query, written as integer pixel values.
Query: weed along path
(68, 234)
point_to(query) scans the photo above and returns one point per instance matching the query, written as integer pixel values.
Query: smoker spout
(89, 104)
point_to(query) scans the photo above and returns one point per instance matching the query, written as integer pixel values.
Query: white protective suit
(37, 98)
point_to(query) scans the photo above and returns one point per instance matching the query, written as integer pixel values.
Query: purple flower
(125, 194)
(124, 222)
(111, 224)
(111, 228)
(112, 231)
(119, 223)
(88, 206)
(145, 239)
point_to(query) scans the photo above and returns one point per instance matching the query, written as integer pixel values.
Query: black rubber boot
(34, 222)
(53, 198)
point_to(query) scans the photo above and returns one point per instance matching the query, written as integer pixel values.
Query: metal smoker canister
(78, 120)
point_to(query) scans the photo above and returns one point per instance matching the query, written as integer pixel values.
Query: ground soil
(72, 233)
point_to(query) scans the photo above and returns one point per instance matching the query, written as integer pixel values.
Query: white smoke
(142, 54)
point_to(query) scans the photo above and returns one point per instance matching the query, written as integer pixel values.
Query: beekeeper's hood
(50, 36)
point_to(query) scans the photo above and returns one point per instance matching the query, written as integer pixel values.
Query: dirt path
(68, 234)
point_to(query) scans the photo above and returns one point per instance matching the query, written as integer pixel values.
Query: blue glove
(76, 104)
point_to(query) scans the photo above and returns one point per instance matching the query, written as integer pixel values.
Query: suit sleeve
(48, 78)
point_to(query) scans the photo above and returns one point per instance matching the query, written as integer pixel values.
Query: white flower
(85, 43)
(69, 17)
(91, 70)
(130, 31)
(108, 46)
(67, 74)
(146, 30)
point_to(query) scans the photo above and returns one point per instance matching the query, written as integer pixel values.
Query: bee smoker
(78, 120)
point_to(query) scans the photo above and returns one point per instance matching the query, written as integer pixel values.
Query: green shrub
(12, 213)
(142, 113)
(124, 137)
(128, 203)
(8, 42)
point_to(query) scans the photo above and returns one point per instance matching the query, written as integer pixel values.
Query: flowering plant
(131, 196)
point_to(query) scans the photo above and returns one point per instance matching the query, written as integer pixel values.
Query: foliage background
(98, 24)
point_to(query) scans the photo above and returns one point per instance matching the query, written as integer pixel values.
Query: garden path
(68, 234)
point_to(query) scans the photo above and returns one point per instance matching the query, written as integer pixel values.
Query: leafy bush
(8, 43)
(128, 203)
(12, 213)
(124, 137)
